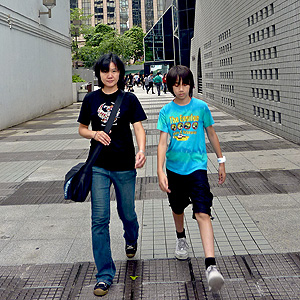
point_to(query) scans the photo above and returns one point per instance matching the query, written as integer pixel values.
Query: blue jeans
(124, 184)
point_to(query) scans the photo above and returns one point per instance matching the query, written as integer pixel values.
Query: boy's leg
(202, 201)
(179, 222)
(206, 233)
(181, 250)
(178, 200)
(214, 278)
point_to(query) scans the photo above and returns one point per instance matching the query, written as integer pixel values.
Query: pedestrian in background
(185, 119)
(150, 78)
(164, 80)
(116, 164)
(142, 81)
(157, 80)
(147, 87)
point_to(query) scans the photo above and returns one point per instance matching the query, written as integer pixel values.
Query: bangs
(184, 77)
(105, 65)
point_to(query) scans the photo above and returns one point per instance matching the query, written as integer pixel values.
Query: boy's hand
(140, 160)
(222, 173)
(163, 182)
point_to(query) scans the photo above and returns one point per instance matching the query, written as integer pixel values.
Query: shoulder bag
(78, 180)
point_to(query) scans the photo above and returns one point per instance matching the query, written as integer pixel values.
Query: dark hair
(103, 65)
(180, 73)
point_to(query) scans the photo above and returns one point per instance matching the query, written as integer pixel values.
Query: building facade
(161, 44)
(35, 55)
(122, 14)
(168, 42)
(246, 59)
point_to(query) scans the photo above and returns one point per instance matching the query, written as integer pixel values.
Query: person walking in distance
(147, 88)
(185, 119)
(116, 164)
(150, 79)
(164, 80)
(157, 80)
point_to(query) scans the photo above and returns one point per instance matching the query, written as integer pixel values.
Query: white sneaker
(181, 251)
(214, 278)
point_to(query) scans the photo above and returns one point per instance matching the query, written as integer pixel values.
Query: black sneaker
(131, 250)
(101, 289)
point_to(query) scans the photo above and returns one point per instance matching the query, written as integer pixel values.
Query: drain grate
(274, 276)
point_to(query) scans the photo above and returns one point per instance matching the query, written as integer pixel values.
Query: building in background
(35, 55)
(168, 42)
(122, 14)
(246, 60)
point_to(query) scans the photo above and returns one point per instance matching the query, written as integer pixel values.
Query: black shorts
(186, 189)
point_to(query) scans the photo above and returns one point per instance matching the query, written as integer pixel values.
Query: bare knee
(202, 217)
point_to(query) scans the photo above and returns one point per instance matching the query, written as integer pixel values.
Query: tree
(79, 23)
(120, 45)
(137, 36)
(89, 55)
(78, 27)
(95, 37)
(103, 39)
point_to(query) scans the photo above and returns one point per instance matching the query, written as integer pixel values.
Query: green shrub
(77, 78)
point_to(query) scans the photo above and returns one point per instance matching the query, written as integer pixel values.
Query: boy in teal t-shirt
(184, 120)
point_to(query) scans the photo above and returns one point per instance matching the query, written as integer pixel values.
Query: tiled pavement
(45, 244)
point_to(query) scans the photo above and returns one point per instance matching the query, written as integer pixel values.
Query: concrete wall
(250, 61)
(35, 56)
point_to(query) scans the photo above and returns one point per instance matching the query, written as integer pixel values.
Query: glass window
(183, 19)
(273, 116)
(279, 117)
(271, 9)
(149, 46)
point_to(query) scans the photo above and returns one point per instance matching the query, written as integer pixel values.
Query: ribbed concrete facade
(246, 59)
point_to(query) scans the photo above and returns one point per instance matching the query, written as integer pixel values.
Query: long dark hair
(103, 65)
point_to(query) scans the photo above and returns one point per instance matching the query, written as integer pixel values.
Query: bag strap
(93, 156)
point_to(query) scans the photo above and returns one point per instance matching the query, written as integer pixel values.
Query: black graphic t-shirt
(95, 110)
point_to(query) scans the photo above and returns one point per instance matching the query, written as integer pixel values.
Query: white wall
(35, 60)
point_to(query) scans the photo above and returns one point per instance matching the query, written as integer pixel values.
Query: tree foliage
(95, 37)
(103, 39)
(137, 36)
(78, 23)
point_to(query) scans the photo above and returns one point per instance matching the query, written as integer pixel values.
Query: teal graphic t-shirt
(185, 124)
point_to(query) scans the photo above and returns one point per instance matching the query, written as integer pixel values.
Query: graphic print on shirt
(182, 125)
(104, 112)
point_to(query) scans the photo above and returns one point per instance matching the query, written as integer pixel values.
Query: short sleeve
(85, 112)
(162, 124)
(138, 113)
(207, 117)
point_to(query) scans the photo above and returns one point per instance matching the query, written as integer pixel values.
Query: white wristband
(221, 160)
(142, 151)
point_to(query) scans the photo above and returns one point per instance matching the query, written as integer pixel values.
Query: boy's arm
(161, 155)
(140, 135)
(213, 138)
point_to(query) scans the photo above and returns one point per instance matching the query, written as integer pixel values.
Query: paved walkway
(45, 243)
